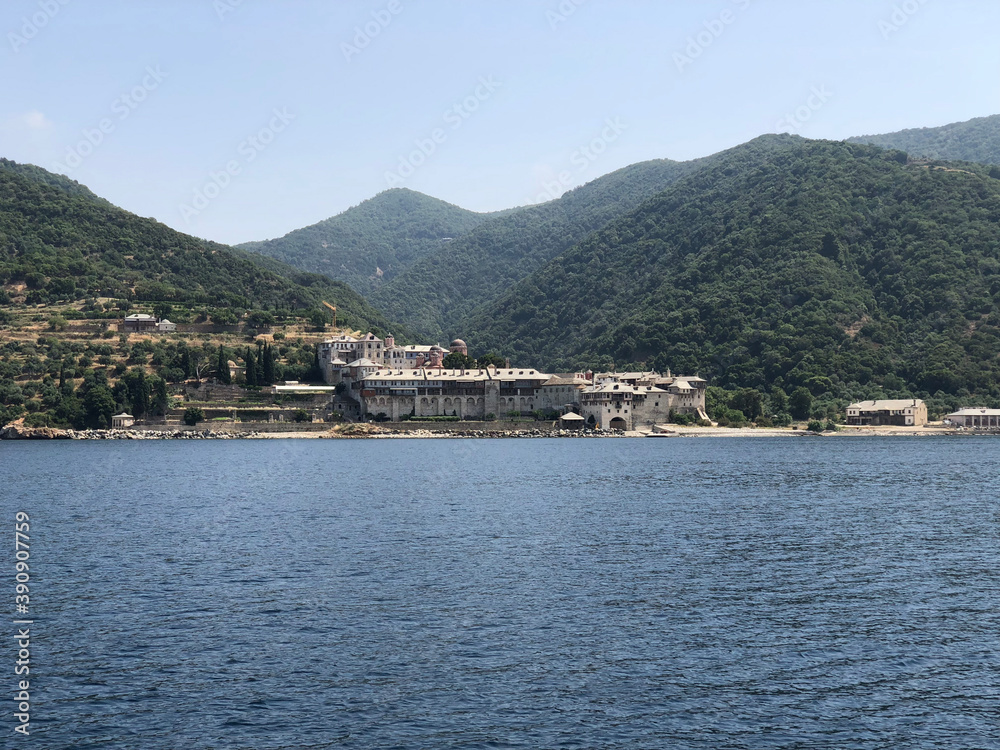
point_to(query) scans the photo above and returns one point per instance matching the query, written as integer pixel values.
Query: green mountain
(843, 268)
(976, 140)
(437, 293)
(59, 241)
(375, 241)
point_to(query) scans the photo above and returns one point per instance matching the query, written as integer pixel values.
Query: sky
(240, 120)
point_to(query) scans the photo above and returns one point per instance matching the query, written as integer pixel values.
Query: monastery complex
(390, 382)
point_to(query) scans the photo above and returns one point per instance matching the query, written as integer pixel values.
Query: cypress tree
(316, 374)
(267, 366)
(222, 371)
(251, 367)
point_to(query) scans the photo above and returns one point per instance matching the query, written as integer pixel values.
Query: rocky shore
(20, 432)
(452, 434)
(359, 431)
(340, 432)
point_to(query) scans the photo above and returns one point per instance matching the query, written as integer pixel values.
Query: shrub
(193, 415)
(815, 426)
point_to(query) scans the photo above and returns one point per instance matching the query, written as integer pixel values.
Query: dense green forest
(436, 294)
(976, 140)
(373, 242)
(840, 268)
(63, 243)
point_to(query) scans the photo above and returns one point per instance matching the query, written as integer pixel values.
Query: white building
(975, 418)
(347, 348)
(407, 357)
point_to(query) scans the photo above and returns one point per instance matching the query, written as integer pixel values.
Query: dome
(458, 342)
(436, 348)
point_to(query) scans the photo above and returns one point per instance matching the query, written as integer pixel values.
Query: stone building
(619, 406)
(562, 392)
(410, 357)
(347, 348)
(465, 393)
(139, 323)
(910, 412)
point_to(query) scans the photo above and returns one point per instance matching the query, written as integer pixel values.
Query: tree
(800, 403)
(301, 415)
(749, 401)
(315, 372)
(457, 360)
(259, 319)
(222, 368)
(193, 415)
(267, 365)
(318, 319)
(160, 401)
(251, 367)
(136, 389)
(779, 401)
(98, 407)
(491, 359)
(163, 310)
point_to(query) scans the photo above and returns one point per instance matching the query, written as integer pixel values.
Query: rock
(17, 431)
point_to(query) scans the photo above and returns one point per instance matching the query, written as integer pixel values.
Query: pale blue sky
(222, 68)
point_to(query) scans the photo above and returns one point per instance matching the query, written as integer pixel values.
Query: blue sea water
(702, 593)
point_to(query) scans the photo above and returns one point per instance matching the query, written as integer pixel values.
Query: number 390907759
(22, 553)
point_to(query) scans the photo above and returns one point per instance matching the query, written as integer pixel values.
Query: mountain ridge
(828, 260)
(372, 242)
(60, 241)
(976, 140)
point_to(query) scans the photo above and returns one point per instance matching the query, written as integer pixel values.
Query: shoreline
(366, 431)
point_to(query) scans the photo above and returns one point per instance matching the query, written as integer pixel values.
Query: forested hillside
(436, 294)
(842, 268)
(58, 242)
(976, 140)
(375, 241)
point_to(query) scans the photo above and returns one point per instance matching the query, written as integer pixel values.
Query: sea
(525, 593)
